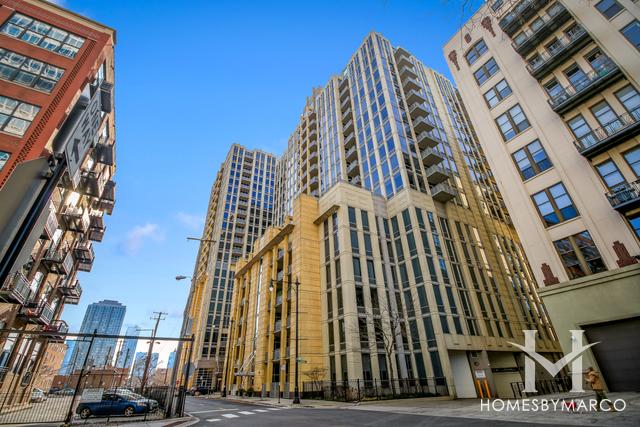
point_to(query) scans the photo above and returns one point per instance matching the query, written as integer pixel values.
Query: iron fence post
(67, 420)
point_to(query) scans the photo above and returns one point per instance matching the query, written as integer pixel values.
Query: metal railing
(371, 389)
(614, 127)
(519, 13)
(16, 289)
(548, 18)
(601, 70)
(547, 386)
(564, 42)
(624, 193)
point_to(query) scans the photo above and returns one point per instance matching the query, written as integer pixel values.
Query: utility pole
(158, 316)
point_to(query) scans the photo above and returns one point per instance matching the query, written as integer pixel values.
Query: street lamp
(296, 287)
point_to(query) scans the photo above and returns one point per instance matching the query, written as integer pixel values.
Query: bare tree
(316, 375)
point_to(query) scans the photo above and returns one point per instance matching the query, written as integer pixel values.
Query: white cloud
(195, 222)
(135, 238)
(58, 2)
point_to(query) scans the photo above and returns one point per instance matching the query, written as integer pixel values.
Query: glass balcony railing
(564, 47)
(567, 96)
(618, 130)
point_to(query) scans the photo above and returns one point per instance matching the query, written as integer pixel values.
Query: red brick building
(57, 161)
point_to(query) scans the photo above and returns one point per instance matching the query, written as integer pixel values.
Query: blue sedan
(116, 404)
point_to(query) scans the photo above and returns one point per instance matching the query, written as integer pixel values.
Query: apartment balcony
(71, 290)
(421, 124)
(346, 114)
(108, 199)
(431, 156)
(38, 313)
(524, 10)
(350, 139)
(105, 154)
(276, 355)
(57, 330)
(437, 174)
(313, 146)
(75, 218)
(313, 169)
(92, 183)
(84, 255)
(348, 127)
(96, 226)
(407, 72)
(241, 213)
(403, 58)
(243, 195)
(16, 289)
(313, 135)
(443, 192)
(58, 262)
(411, 84)
(424, 140)
(51, 225)
(621, 129)
(345, 104)
(625, 197)
(313, 183)
(568, 45)
(355, 180)
(353, 169)
(555, 17)
(414, 96)
(344, 91)
(594, 83)
(351, 154)
(418, 110)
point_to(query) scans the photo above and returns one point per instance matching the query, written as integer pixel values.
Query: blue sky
(192, 78)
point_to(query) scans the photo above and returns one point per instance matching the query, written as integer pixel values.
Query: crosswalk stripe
(213, 420)
(229, 415)
(274, 409)
(260, 410)
(247, 413)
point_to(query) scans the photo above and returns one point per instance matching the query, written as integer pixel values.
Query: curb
(275, 405)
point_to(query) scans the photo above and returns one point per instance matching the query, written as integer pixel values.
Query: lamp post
(296, 287)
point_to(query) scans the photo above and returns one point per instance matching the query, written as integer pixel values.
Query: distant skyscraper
(104, 317)
(240, 209)
(141, 360)
(172, 360)
(68, 357)
(127, 352)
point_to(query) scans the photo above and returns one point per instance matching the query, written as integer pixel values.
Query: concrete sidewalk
(470, 408)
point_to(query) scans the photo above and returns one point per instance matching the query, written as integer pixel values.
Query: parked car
(38, 396)
(117, 404)
(65, 392)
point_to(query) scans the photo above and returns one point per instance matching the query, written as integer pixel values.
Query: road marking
(229, 415)
(213, 420)
(214, 410)
(260, 410)
(247, 413)
(274, 409)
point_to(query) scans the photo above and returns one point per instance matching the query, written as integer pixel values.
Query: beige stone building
(420, 273)
(552, 91)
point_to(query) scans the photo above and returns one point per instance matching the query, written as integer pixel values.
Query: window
(487, 70)
(609, 8)
(554, 89)
(554, 205)
(28, 71)
(4, 156)
(476, 51)
(531, 160)
(496, 5)
(357, 271)
(512, 122)
(582, 131)
(632, 33)
(576, 76)
(607, 118)
(579, 255)
(43, 35)
(629, 97)
(497, 93)
(16, 116)
(634, 221)
(633, 159)
(610, 174)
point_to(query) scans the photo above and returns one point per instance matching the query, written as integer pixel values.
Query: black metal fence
(31, 391)
(546, 386)
(358, 389)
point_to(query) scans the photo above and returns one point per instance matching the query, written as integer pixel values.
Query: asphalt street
(213, 412)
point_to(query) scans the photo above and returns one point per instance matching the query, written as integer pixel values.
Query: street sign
(83, 137)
